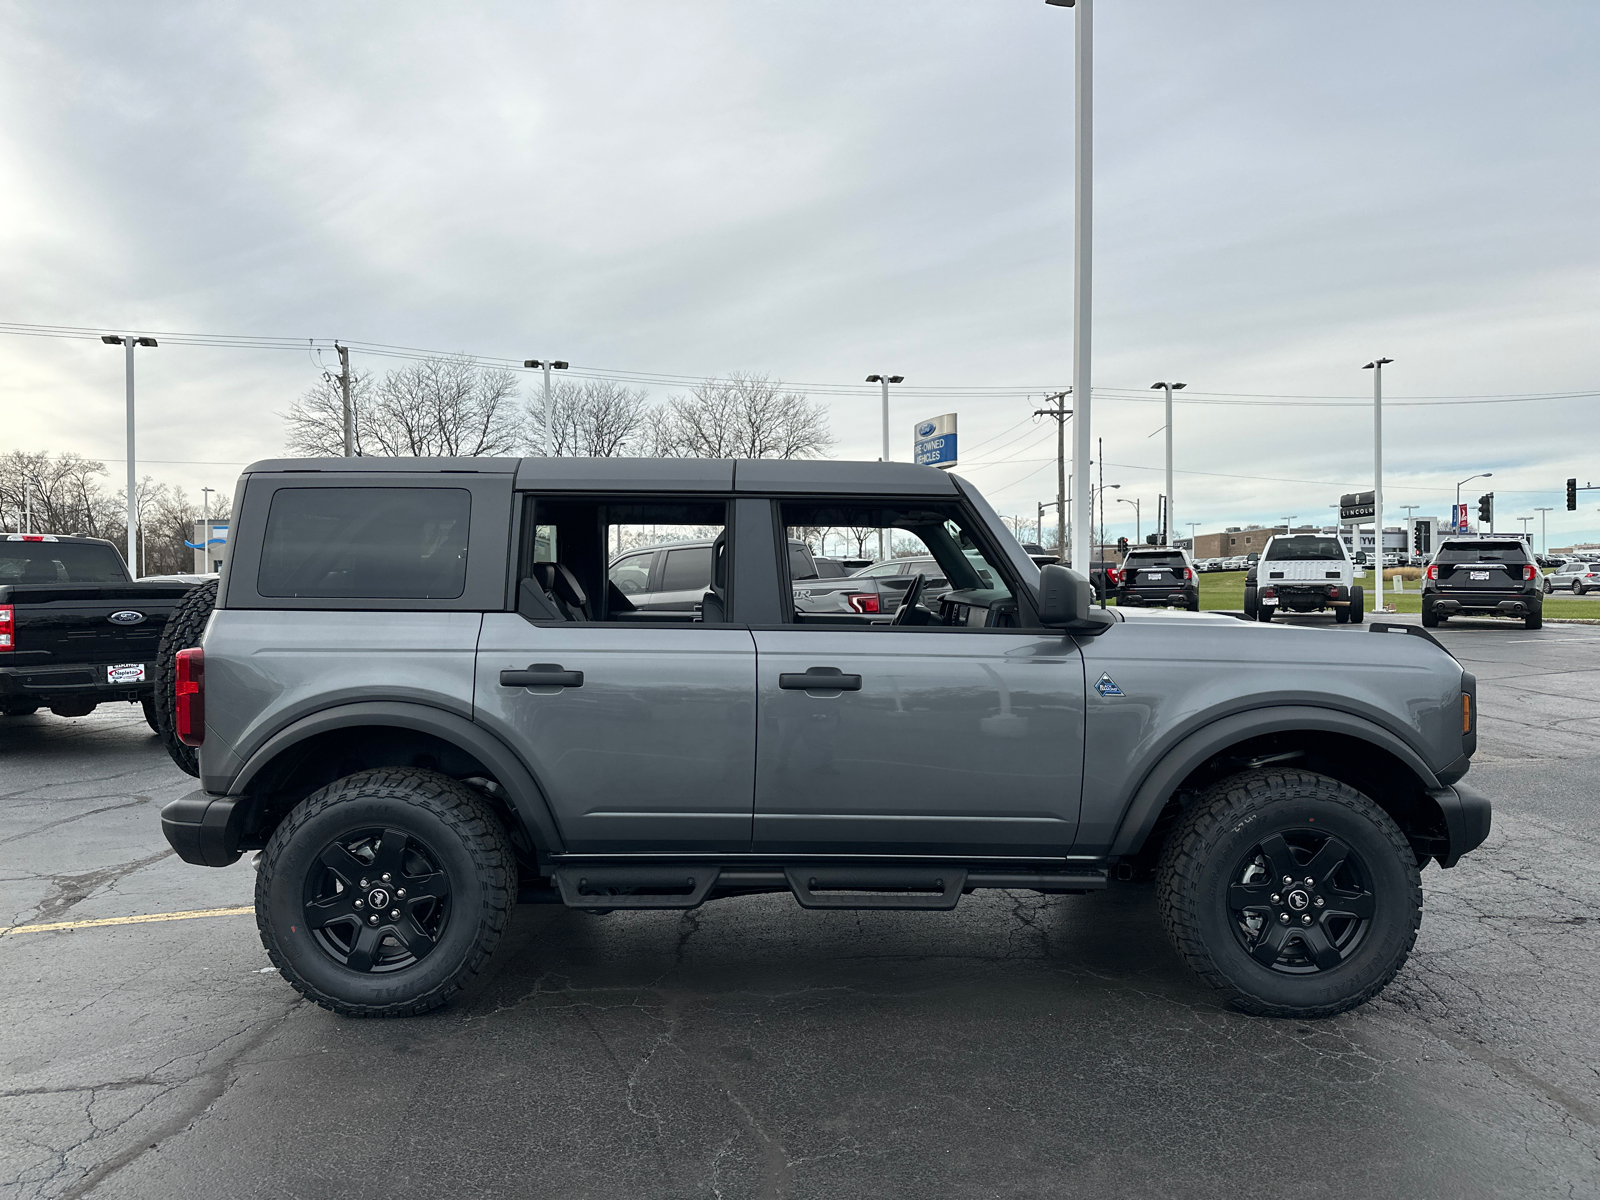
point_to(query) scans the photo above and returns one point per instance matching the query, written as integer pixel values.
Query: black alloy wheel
(379, 901)
(1300, 901)
(386, 892)
(1291, 893)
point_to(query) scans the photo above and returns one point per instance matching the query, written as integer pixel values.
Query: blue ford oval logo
(926, 429)
(126, 617)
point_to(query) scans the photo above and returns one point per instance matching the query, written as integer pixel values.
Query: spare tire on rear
(183, 630)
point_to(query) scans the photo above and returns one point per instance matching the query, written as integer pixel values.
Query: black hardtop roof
(801, 476)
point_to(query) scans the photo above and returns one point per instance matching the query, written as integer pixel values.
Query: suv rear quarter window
(389, 543)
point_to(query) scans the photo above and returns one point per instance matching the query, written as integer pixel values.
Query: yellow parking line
(148, 917)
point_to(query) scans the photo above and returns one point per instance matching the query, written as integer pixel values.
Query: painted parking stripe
(140, 920)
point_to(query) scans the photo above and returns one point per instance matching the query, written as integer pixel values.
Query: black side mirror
(1064, 597)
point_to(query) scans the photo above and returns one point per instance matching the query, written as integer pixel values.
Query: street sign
(935, 441)
(1356, 508)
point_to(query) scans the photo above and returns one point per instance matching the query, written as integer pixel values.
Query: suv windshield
(59, 562)
(1465, 552)
(1302, 549)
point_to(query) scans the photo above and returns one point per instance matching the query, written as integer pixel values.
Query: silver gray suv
(422, 697)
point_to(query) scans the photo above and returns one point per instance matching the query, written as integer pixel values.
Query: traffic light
(1416, 539)
(1572, 495)
(1486, 508)
(1122, 545)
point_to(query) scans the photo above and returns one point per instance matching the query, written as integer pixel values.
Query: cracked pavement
(1019, 1046)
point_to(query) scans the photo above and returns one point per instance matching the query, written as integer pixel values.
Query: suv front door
(951, 739)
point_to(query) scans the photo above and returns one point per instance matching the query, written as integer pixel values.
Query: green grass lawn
(1225, 590)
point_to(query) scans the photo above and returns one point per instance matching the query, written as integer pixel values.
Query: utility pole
(1544, 532)
(549, 400)
(1060, 412)
(344, 391)
(128, 341)
(205, 527)
(1376, 367)
(1169, 388)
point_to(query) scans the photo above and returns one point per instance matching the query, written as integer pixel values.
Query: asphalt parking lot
(1019, 1046)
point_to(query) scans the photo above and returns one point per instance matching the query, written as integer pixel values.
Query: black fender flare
(527, 798)
(1178, 761)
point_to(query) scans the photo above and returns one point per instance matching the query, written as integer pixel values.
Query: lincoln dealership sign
(935, 441)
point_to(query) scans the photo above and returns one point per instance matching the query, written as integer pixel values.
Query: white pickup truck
(1304, 572)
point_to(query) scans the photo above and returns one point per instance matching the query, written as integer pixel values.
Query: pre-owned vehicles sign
(935, 441)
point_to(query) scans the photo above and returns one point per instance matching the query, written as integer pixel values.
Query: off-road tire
(1193, 879)
(475, 855)
(148, 706)
(183, 631)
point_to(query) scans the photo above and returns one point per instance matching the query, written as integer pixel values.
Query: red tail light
(1113, 575)
(1187, 573)
(862, 602)
(8, 628)
(189, 716)
(1433, 571)
(1529, 572)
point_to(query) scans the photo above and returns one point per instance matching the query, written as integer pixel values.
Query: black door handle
(541, 675)
(819, 679)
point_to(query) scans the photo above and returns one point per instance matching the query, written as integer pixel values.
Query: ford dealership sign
(935, 441)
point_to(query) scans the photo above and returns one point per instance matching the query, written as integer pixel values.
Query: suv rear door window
(687, 569)
(1495, 552)
(379, 543)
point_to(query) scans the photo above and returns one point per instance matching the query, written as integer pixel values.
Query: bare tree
(859, 534)
(432, 408)
(62, 491)
(594, 419)
(742, 416)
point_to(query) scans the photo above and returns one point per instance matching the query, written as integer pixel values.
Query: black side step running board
(812, 885)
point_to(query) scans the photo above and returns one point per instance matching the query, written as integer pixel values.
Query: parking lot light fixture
(884, 381)
(128, 342)
(1169, 388)
(1376, 367)
(1544, 532)
(549, 400)
(1138, 519)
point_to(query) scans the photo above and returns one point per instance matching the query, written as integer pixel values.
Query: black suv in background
(1482, 577)
(1158, 576)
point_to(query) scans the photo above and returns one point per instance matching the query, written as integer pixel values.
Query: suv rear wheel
(1291, 893)
(384, 893)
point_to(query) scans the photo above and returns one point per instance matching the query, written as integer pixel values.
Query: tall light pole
(885, 381)
(1082, 259)
(1138, 518)
(1468, 479)
(1288, 523)
(1544, 531)
(1376, 367)
(128, 341)
(205, 526)
(1169, 388)
(1193, 525)
(549, 401)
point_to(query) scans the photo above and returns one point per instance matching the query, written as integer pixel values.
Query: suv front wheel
(1291, 893)
(384, 893)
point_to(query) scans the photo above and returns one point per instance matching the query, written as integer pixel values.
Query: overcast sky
(820, 190)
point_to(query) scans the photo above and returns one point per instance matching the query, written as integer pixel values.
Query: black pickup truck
(75, 629)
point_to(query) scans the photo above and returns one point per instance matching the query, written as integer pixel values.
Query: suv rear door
(638, 725)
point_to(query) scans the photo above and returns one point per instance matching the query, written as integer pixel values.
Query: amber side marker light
(1466, 713)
